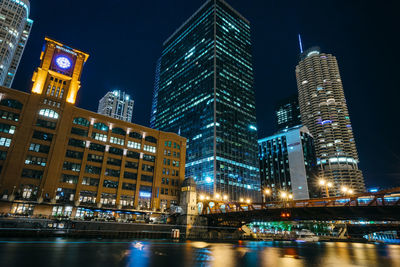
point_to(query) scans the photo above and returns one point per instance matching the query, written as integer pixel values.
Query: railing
(390, 197)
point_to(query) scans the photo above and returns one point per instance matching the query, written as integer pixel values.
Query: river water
(74, 253)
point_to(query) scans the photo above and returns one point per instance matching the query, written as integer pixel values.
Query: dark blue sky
(124, 39)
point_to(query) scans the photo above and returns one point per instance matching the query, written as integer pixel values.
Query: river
(158, 253)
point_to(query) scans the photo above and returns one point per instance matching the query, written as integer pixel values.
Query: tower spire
(301, 44)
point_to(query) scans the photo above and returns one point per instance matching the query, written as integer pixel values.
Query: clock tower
(59, 73)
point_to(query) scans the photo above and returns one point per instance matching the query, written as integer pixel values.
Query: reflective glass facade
(288, 112)
(206, 94)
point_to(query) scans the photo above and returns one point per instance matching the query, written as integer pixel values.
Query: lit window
(48, 113)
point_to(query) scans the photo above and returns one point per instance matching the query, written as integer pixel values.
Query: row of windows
(169, 144)
(33, 160)
(6, 128)
(7, 115)
(168, 152)
(175, 163)
(102, 127)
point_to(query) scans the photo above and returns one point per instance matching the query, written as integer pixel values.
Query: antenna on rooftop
(301, 44)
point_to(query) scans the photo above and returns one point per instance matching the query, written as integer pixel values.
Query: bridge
(380, 206)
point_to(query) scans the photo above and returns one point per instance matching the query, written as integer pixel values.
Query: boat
(306, 236)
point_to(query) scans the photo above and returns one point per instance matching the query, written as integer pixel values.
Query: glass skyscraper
(205, 93)
(288, 112)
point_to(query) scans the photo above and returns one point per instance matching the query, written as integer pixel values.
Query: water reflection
(164, 253)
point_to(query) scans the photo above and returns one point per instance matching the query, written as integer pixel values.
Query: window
(133, 154)
(135, 135)
(168, 143)
(115, 151)
(79, 131)
(46, 124)
(7, 115)
(65, 195)
(69, 179)
(147, 168)
(95, 158)
(146, 178)
(148, 148)
(108, 199)
(33, 160)
(5, 141)
(74, 154)
(130, 175)
(87, 196)
(110, 184)
(90, 181)
(113, 173)
(71, 166)
(97, 147)
(6, 128)
(99, 136)
(118, 131)
(76, 143)
(48, 113)
(92, 169)
(11, 103)
(3, 155)
(132, 165)
(128, 186)
(134, 145)
(127, 200)
(39, 148)
(149, 158)
(100, 126)
(175, 163)
(34, 174)
(116, 140)
(81, 121)
(113, 161)
(42, 136)
(151, 139)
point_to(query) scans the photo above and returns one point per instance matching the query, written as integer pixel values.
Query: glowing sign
(63, 62)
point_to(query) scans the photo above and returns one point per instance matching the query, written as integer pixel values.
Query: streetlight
(225, 197)
(241, 199)
(202, 197)
(284, 194)
(267, 192)
(290, 196)
(322, 182)
(248, 201)
(217, 196)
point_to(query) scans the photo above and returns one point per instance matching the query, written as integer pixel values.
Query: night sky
(124, 40)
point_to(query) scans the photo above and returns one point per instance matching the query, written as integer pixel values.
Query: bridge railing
(383, 198)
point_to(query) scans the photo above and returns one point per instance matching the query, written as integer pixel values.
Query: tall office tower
(324, 111)
(155, 95)
(116, 104)
(206, 94)
(15, 27)
(288, 112)
(288, 164)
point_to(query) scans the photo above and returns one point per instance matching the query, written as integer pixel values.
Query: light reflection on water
(145, 253)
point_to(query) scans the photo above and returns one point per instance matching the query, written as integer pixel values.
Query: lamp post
(347, 191)
(285, 196)
(267, 194)
(326, 184)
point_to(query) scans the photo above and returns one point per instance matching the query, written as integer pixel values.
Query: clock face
(63, 62)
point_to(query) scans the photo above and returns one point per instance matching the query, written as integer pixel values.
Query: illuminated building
(288, 164)
(288, 113)
(15, 27)
(56, 158)
(116, 104)
(205, 93)
(324, 111)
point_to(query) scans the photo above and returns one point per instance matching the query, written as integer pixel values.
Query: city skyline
(280, 73)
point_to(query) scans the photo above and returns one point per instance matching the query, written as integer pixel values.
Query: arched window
(81, 121)
(118, 131)
(135, 135)
(12, 103)
(100, 126)
(151, 139)
(48, 113)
